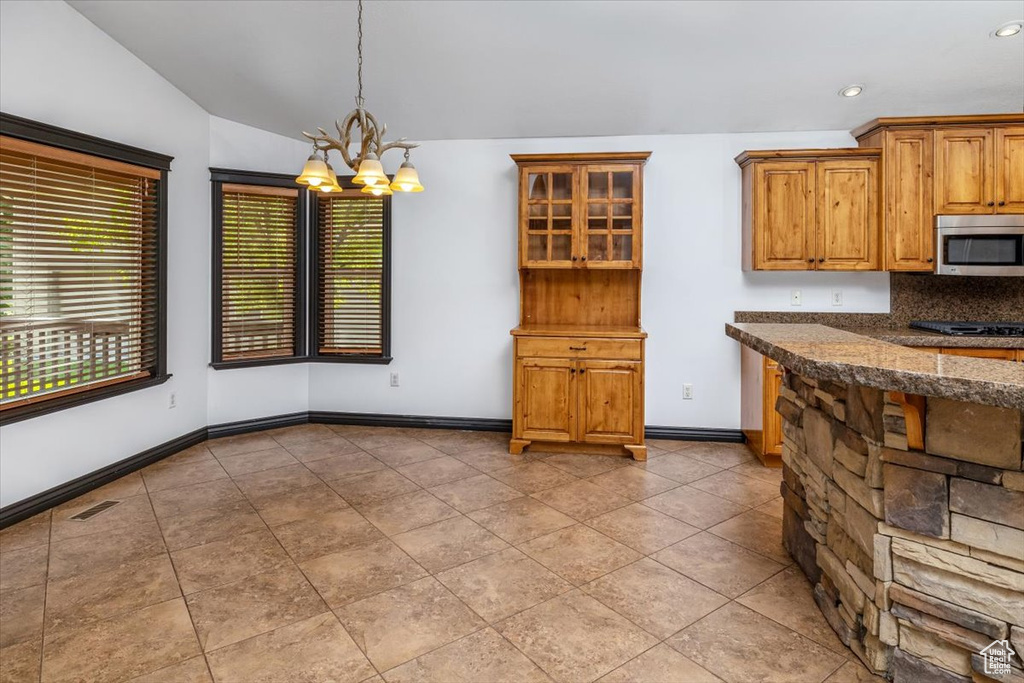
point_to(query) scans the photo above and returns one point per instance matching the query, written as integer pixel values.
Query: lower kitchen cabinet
(761, 378)
(999, 354)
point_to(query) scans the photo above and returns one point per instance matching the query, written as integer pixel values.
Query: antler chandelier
(317, 173)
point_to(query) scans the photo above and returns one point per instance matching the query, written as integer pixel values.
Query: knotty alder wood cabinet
(943, 165)
(811, 209)
(873, 207)
(579, 347)
(760, 379)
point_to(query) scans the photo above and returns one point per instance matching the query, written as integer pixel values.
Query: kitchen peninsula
(903, 495)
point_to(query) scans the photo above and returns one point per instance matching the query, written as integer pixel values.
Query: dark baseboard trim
(694, 434)
(41, 502)
(33, 505)
(256, 425)
(477, 424)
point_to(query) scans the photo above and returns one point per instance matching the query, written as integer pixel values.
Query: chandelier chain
(359, 53)
(371, 133)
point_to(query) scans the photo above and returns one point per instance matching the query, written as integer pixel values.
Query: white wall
(85, 81)
(58, 68)
(455, 287)
(246, 393)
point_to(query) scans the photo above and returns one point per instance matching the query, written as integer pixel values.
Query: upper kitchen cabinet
(979, 170)
(943, 165)
(811, 209)
(964, 171)
(1009, 150)
(580, 210)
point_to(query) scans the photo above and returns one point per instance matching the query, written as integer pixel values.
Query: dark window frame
(45, 134)
(307, 279)
(218, 178)
(384, 358)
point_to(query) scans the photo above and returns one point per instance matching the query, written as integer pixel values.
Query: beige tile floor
(348, 554)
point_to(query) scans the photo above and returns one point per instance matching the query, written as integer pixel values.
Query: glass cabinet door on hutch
(609, 235)
(546, 231)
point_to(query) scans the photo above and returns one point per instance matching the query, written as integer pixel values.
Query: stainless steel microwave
(980, 245)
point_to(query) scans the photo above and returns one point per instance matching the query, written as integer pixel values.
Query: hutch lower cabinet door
(611, 395)
(581, 401)
(545, 399)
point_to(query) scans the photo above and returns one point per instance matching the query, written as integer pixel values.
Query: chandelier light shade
(381, 190)
(371, 171)
(366, 163)
(332, 185)
(407, 179)
(315, 172)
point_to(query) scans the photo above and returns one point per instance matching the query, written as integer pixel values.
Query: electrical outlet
(172, 402)
(687, 392)
(837, 297)
(795, 298)
(394, 379)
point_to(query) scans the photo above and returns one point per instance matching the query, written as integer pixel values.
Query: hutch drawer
(574, 347)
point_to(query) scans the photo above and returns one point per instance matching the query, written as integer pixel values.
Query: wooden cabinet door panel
(847, 215)
(909, 229)
(784, 216)
(997, 354)
(964, 166)
(546, 399)
(548, 209)
(611, 401)
(1009, 170)
(611, 213)
(772, 418)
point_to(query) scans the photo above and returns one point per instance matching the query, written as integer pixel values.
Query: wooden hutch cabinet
(579, 347)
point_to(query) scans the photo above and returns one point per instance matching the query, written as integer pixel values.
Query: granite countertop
(908, 336)
(829, 353)
(881, 326)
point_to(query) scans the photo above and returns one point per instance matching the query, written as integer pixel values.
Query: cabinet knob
(992, 203)
(583, 258)
(821, 260)
(1002, 203)
(572, 370)
(582, 370)
(573, 258)
(810, 260)
(930, 260)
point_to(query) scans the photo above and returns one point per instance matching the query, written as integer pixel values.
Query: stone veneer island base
(905, 510)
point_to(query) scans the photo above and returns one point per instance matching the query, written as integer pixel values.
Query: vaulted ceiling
(493, 69)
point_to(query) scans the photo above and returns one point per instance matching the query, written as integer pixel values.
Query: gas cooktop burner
(971, 329)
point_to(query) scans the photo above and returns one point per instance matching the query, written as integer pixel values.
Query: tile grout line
(46, 589)
(181, 591)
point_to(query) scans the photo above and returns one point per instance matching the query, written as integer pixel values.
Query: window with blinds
(80, 291)
(352, 275)
(258, 274)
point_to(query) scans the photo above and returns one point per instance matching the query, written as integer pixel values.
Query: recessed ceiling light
(1007, 30)
(851, 90)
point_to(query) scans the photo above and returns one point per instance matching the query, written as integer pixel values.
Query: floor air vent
(95, 510)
